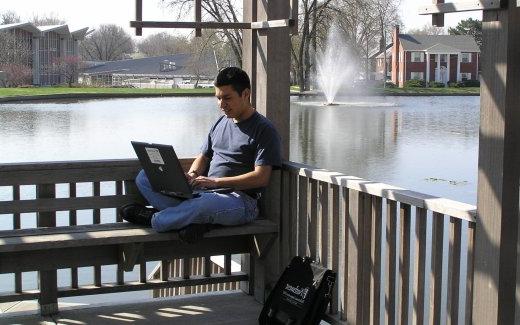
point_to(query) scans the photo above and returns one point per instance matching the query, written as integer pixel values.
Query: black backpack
(300, 296)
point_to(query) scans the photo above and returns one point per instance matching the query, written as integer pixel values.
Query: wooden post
(48, 280)
(438, 19)
(266, 58)
(496, 257)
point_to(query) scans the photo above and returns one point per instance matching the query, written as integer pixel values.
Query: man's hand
(205, 182)
(191, 176)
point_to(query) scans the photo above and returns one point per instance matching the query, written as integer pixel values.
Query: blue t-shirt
(236, 148)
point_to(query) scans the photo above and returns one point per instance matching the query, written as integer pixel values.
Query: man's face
(231, 103)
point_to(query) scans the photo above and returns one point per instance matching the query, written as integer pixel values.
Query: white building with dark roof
(47, 44)
(168, 71)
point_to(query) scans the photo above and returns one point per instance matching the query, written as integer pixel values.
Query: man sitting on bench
(241, 149)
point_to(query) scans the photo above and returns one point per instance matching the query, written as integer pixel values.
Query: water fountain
(335, 65)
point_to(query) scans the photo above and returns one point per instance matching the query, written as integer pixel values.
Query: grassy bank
(411, 91)
(430, 91)
(49, 91)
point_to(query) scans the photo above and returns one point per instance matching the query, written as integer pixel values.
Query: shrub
(453, 84)
(435, 84)
(390, 84)
(415, 83)
(17, 74)
(471, 83)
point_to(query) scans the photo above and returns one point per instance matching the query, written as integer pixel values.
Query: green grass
(36, 91)
(432, 91)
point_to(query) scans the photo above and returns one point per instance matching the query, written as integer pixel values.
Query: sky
(91, 13)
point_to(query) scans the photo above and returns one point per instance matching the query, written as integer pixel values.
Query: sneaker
(194, 232)
(138, 214)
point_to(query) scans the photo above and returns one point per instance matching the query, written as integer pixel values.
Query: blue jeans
(227, 209)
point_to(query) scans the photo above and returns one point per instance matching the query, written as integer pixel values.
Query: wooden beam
(138, 16)
(438, 19)
(189, 24)
(266, 24)
(198, 17)
(459, 6)
(496, 263)
(272, 24)
(294, 16)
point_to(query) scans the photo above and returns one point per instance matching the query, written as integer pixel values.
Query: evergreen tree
(469, 26)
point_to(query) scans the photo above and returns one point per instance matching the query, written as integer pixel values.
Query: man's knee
(141, 180)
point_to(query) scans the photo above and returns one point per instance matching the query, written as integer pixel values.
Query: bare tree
(217, 10)
(107, 43)
(313, 17)
(428, 30)
(9, 17)
(68, 67)
(46, 20)
(13, 50)
(163, 44)
(386, 12)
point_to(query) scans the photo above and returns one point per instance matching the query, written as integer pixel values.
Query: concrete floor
(228, 307)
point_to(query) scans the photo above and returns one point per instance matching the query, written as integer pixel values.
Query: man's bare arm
(255, 179)
(198, 167)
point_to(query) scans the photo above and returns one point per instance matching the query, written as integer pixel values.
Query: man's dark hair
(236, 77)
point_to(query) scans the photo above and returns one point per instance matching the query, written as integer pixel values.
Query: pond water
(426, 144)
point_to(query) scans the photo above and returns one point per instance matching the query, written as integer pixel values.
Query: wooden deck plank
(229, 307)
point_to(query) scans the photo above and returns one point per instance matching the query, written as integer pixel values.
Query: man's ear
(246, 94)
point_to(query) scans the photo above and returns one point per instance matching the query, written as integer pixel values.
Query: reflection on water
(428, 144)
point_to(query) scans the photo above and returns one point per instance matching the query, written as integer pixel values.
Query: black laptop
(165, 173)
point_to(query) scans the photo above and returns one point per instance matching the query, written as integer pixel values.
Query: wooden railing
(402, 257)
(36, 195)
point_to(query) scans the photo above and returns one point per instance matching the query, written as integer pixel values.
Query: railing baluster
(457, 284)
(335, 230)
(469, 272)
(422, 267)
(16, 225)
(313, 223)
(324, 219)
(293, 213)
(207, 266)
(439, 270)
(165, 270)
(143, 277)
(119, 191)
(96, 218)
(48, 280)
(392, 281)
(73, 220)
(366, 259)
(376, 239)
(405, 265)
(227, 264)
(344, 251)
(303, 217)
(285, 235)
(354, 266)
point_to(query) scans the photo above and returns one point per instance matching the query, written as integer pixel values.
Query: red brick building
(440, 58)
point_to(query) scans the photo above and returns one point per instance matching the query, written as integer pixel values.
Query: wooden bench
(48, 248)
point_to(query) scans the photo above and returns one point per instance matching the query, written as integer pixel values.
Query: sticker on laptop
(155, 156)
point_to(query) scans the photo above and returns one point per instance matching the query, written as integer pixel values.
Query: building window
(417, 57)
(465, 76)
(444, 57)
(417, 75)
(465, 57)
